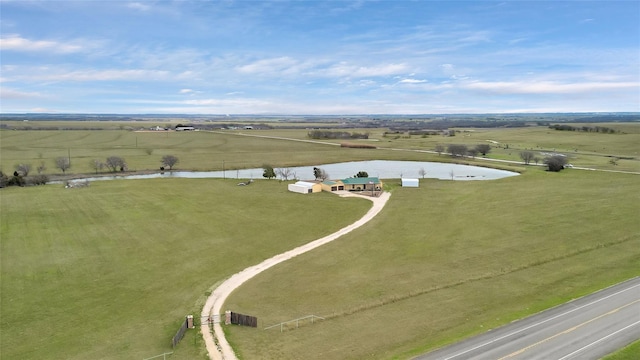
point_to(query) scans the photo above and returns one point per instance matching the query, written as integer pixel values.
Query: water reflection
(383, 169)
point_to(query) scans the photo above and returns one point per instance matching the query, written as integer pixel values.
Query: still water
(383, 169)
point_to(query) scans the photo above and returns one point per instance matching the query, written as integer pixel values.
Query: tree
(41, 167)
(39, 179)
(362, 174)
(114, 163)
(320, 174)
(23, 169)
(536, 159)
(555, 162)
(284, 173)
(457, 149)
(473, 152)
(268, 172)
(527, 156)
(3, 179)
(63, 163)
(483, 149)
(97, 165)
(170, 161)
(439, 149)
(422, 172)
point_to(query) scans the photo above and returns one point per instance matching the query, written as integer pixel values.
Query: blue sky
(319, 57)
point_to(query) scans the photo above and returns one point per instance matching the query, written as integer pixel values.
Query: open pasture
(110, 271)
(583, 149)
(234, 149)
(444, 261)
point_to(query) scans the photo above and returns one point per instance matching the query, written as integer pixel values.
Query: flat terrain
(110, 271)
(445, 261)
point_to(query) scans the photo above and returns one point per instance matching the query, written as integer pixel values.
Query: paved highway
(586, 328)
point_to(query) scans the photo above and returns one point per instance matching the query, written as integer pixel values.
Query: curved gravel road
(219, 348)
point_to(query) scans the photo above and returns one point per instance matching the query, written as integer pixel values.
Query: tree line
(596, 129)
(323, 134)
(23, 176)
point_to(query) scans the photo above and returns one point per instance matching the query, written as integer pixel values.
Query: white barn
(304, 187)
(410, 182)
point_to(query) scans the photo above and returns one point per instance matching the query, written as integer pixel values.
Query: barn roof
(361, 181)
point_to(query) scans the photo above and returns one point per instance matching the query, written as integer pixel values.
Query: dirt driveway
(218, 347)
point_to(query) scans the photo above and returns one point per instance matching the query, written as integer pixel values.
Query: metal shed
(304, 187)
(410, 182)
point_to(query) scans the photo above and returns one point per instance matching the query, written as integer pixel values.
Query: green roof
(361, 181)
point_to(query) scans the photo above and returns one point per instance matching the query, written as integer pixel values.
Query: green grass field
(143, 151)
(110, 271)
(447, 260)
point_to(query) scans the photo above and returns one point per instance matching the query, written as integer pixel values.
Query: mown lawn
(110, 271)
(444, 261)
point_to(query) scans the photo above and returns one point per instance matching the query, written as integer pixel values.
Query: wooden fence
(245, 320)
(180, 334)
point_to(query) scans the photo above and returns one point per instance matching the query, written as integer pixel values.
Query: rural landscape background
(111, 270)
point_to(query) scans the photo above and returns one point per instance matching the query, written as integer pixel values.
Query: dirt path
(219, 348)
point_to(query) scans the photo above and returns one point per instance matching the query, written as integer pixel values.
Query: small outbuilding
(410, 182)
(304, 187)
(330, 185)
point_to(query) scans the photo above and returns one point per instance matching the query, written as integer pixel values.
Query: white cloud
(138, 6)
(6, 93)
(412, 81)
(18, 43)
(345, 69)
(546, 87)
(104, 75)
(268, 66)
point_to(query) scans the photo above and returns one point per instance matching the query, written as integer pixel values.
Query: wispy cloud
(7, 93)
(345, 69)
(547, 87)
(101, 75)
(138, 6)
(412, 81)
(18, 43)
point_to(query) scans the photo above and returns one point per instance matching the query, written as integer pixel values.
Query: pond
(383, 169)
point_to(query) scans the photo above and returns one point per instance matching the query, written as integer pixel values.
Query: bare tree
(472, 152)
(320, 174)
(42, 167)
(457, 149)
(170, 161)
(483, 149)
(536, 159)
(23, 169)
(115, 163)
(284, 173)
(422, 172)
(63, 163)
(439, 149)
(97, 165)
(527, 156)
